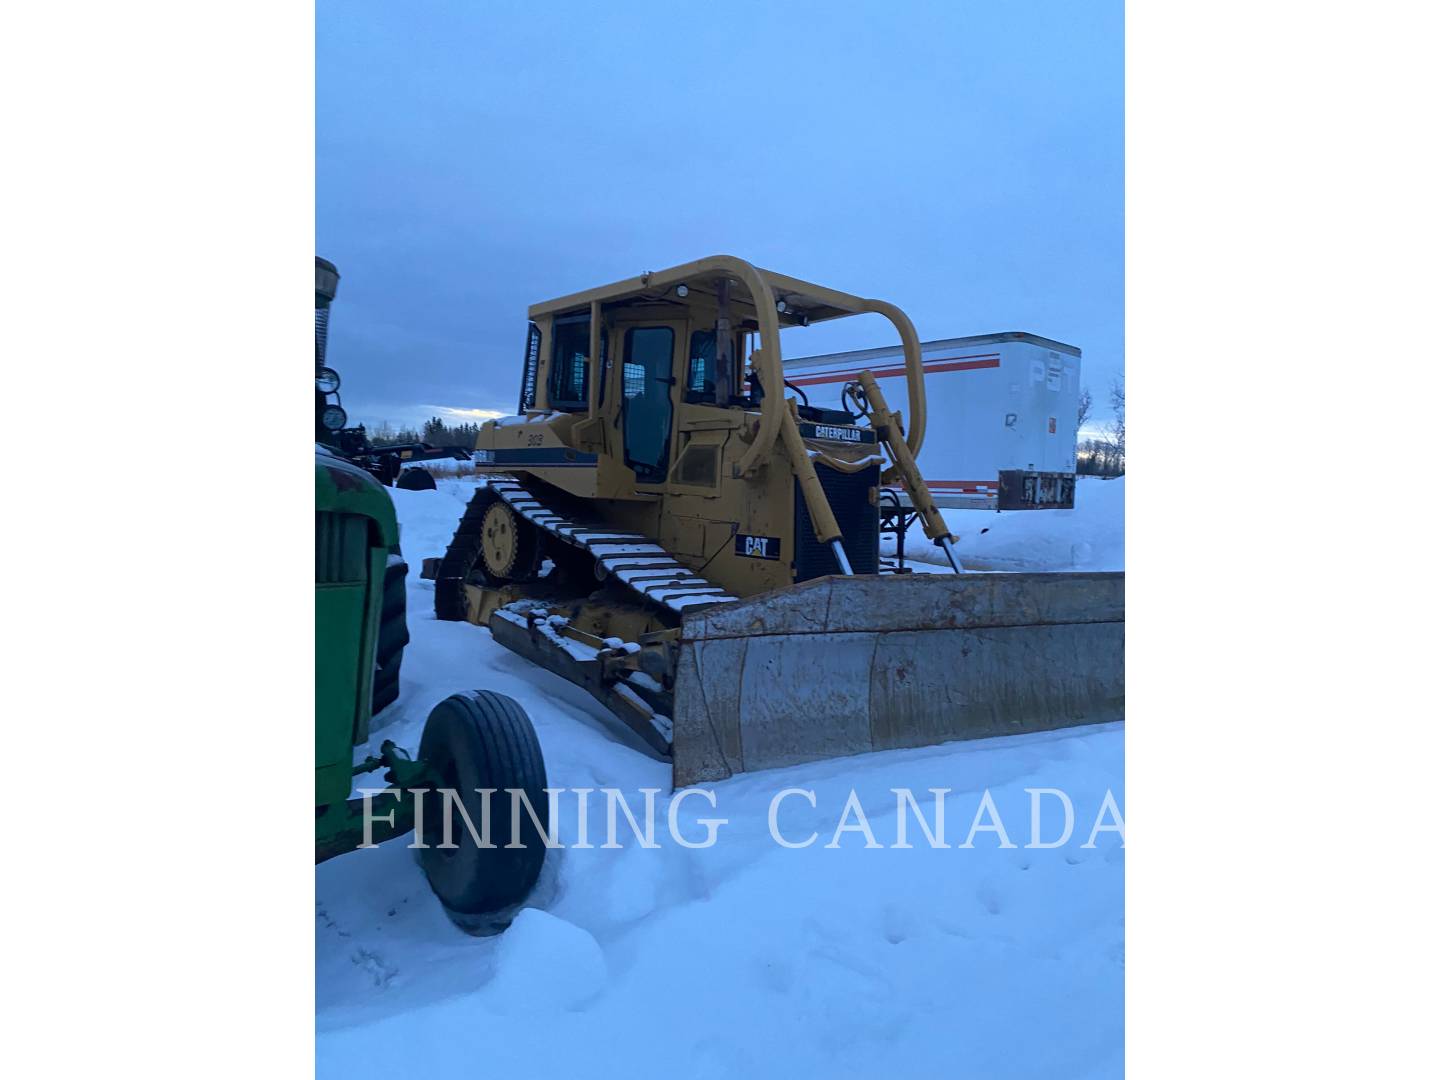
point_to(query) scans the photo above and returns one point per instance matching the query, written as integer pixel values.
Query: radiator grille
(858, 518)
(342, 547)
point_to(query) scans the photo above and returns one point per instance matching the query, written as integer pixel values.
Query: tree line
(435, 432)
(1105, 455)
(1098, 456)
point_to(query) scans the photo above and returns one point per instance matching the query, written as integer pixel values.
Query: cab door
(647, 409)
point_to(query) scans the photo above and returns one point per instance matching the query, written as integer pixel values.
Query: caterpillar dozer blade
(846, 665)
(662, 526)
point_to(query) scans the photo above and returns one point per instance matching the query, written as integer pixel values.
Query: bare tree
(1087, 399)
(1117, 406)
(1104, 456)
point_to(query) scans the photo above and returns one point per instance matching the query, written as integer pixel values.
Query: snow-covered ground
(1090, 537)
(746, 958)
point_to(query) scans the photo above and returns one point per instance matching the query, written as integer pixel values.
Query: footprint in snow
(989, 898)
(374, 966)
(330, 924)
(897, 924)
(776, 974)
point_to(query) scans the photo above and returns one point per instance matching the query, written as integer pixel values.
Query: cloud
(441, 198)
(467, 414)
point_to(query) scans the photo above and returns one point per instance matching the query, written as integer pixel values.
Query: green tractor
(471, 741)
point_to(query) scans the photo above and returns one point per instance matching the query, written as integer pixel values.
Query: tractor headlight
(327, 380)
(333, 418)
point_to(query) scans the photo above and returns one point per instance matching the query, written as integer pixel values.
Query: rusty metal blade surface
(846, 665)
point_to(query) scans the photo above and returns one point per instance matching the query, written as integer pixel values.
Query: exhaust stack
(327, 283)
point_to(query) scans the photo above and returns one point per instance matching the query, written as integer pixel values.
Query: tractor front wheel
(473, 742)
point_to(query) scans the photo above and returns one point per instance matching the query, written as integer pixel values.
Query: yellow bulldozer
(660, 524)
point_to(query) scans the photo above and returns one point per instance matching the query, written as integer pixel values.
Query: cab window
(700, 372)
(570, 364)
(700, 368)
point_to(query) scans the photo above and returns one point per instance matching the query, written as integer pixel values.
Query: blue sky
(964, 160)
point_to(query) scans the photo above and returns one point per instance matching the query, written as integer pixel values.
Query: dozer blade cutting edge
(846, 665)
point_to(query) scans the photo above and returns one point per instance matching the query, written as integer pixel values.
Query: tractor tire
(394, 636)
(390, 643)
(386, 686)
(392, 598)
(482, 740)
(416, 480)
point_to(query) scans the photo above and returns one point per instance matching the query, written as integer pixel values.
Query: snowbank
(444, 467)
(1090, 537)
(747, 958)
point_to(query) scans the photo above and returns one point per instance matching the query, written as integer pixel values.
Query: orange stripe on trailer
(951, 363)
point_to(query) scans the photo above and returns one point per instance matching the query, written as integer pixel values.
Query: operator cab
(706, 318)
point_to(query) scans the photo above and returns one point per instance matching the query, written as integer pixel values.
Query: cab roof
(804, 301)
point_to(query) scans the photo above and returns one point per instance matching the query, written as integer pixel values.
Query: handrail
(914, 371)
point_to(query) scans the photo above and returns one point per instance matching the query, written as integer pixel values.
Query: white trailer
(1001, 414)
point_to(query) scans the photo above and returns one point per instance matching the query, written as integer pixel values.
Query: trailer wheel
(416, 480)
(475, 741)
